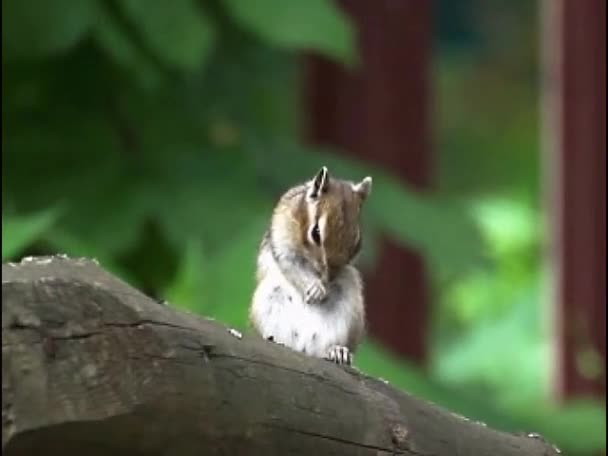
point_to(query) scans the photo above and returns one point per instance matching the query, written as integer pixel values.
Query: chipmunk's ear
(363, 188)
(320, 183)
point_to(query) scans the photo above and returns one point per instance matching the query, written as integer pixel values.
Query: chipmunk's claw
(340, 355)
(316, 293)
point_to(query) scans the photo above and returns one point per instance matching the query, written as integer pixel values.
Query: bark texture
(92, 366)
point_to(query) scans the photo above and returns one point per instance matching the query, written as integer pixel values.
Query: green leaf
(508, 224)
(440, 230)
(311, 24)
(209, 196)
(219, 285)
(484, 357)
(234, 274)
(20, 231)
(189, 290)
(39, 28)
(112, 221)
(178, 32)
(113, 39)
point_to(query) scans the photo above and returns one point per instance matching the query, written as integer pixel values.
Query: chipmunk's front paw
(316, 292)
(340, 355)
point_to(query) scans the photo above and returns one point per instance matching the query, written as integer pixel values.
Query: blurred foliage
(177, 134)
(489, 328)
(20, 231)
(157, 139)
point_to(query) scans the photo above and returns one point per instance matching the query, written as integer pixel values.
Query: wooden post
(381, 114)
(575, 119)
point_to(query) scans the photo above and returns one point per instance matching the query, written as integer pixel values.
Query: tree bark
(92, 366)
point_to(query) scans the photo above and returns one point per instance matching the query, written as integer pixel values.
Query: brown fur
(342, 206)
(314, 273)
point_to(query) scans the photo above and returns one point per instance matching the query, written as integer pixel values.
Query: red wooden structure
(575, 110)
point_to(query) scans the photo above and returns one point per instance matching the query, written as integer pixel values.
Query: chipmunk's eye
(315, 234)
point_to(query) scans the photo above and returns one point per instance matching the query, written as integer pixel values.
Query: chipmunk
(309, 296)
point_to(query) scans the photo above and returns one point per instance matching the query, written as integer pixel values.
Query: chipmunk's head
(333, 206)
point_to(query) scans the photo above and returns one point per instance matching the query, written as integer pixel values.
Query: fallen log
(92, 366)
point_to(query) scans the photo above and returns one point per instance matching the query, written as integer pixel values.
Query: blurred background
(156, 136)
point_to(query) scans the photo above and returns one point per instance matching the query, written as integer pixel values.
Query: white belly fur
(280, 312)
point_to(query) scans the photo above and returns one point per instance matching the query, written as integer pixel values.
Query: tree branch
(92, 366)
